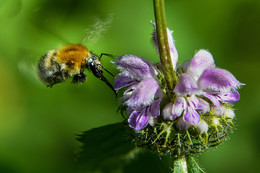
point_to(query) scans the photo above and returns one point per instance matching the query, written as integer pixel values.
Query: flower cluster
(201, 88)
(143, 95)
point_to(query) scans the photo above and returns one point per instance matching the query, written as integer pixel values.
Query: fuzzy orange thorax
(73, 55)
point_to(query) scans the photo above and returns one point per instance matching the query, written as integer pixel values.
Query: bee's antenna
(101, 77)
(106, 70)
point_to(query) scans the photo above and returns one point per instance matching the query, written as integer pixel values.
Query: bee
(58, 65)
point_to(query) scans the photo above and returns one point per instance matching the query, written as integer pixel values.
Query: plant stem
(163, 46)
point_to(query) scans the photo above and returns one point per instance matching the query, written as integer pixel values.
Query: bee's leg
(107, 54)
(57, 77)
(79, 78)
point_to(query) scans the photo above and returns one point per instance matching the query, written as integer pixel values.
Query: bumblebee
(58, 65)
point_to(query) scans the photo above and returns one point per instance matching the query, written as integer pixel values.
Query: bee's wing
(95, 31)
(28, 68)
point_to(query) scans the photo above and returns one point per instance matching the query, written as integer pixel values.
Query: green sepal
(186, 164)
(178, 167)
(192, 165)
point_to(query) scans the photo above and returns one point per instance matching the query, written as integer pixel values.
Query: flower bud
(167, 112)
(230, 113)
(182, 125)
(215, 121)
(218, 110)
(152, 120)
(202, 127)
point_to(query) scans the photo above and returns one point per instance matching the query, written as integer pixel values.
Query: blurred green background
(38, 124)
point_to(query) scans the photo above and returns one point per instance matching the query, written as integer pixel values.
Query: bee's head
(95, 66)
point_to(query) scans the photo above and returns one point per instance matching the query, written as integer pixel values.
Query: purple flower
(186, 103)
(143, 94)
(217, 84)
(201, 79)
(141, 116)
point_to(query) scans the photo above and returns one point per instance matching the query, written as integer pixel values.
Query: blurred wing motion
(95, 31)
(29, 70)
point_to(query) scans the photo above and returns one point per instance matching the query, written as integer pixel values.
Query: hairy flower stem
(164, 51)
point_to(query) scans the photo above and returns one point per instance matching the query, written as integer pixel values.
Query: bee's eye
(93, 68)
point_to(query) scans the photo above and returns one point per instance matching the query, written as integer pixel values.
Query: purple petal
(123, 80)
(172, 111)
(202, 106)
(185, 65)
(155, 108)
(231, 96)
(200, 62)
(173, 50)
(178, 107)
(128, 93)
(212, 98)
(217, 80)
(155, 41)
(135, 65)
(186, 86)
(144, 93)
(191, 116)
(192, 101)
(138, 120)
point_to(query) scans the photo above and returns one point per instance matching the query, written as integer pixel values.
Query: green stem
(164, 51)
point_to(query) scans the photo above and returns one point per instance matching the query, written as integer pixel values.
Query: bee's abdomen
(50, 70)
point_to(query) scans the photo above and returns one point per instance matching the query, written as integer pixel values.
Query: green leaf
(105, 149)
(147, 161)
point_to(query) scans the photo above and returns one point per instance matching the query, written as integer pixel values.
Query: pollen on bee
(73, 55)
